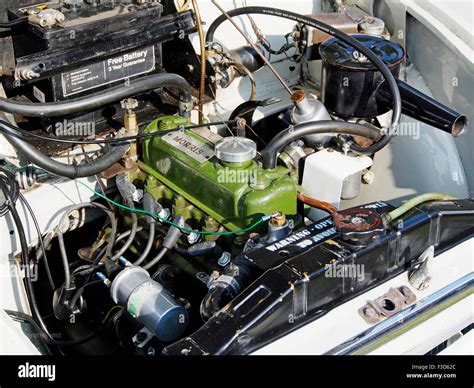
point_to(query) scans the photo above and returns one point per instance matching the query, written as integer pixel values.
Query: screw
(151, 351)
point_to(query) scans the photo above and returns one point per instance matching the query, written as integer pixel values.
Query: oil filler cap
(236, 149)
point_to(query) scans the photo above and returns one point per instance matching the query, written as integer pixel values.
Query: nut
(278, 219)
(129, 103)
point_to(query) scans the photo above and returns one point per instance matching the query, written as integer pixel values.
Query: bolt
(150, 351)
(369, 312)
(345, 148)
(368, 177)
(141, 336)
(241, 122)
(210, 224)
(179, 202)
(224, 259)
(193, 237)
(151, 181)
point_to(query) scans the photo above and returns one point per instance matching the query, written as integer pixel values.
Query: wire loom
(158, 217)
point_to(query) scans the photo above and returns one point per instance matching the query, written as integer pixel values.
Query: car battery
(73, 48)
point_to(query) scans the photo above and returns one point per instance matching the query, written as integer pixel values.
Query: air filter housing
(350, 80)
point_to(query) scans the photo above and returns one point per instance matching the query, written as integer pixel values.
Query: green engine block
(183, 168)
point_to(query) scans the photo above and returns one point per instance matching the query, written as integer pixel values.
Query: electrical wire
(41, 241)
(156, 259)
(202, 45)
(245, 71)
(59, 233)
(28, 280)
(10, 129)
(164, 220)
(149, 244)
(133, 232)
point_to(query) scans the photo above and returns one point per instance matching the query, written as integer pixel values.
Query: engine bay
(206, 228)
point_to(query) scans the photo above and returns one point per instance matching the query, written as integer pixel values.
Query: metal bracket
(419, 275)
(387, 305)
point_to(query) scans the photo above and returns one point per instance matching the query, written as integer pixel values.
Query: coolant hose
(213, 302)
(390, 79)
(96, 100)
(411, 203)
(270, 152)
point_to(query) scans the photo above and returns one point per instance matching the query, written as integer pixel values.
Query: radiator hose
(270, 152)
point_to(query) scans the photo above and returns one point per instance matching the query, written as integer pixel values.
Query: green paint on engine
(183, 164)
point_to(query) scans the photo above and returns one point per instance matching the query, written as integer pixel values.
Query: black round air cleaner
(350, 80)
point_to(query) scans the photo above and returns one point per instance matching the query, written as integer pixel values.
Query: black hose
(71, 171)
(96, 100)
(86, 103)
(390, 79)
(213, 302)
(270, 152)
(14, 23)
(12, 130)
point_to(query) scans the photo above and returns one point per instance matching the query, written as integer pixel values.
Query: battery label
(111, 70)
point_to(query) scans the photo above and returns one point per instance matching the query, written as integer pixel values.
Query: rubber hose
(96, 100)
(270, 152)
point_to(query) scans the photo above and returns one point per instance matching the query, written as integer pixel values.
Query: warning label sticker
(111, 70)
